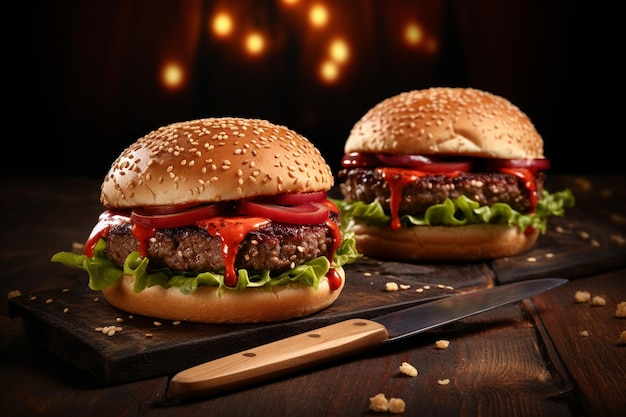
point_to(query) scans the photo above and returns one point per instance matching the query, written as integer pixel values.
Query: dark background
(84, 77)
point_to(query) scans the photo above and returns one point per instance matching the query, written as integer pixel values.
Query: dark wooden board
(131, 355)
(567, 250)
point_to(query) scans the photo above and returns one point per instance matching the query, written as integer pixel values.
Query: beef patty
(487, 188)
(275, 246)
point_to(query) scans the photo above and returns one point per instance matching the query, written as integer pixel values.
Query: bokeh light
(172, 75)
(254, 43)
(413, 34)
(222, 24)
(339, 50)
(318, 15)
(329, 71)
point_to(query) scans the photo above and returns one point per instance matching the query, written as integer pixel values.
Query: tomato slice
(168, 209)
(294, 198)
(426, 164)
(534, 165)
(309, 213)
(177, 219)
(359, 160)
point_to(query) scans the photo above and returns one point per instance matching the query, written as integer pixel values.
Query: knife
(341, 339)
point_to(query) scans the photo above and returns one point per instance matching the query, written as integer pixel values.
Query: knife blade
(342, 339)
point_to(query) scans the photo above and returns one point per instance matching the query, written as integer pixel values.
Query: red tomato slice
(359, 160)
(426, 164)
(182, 218)
(170, 209)
(533, 165)
(309, 213)
(294, 199)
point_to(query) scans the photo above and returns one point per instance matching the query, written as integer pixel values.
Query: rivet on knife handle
(278, 358)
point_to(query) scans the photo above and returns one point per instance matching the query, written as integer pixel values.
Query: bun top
(214, 159)
(447, 121)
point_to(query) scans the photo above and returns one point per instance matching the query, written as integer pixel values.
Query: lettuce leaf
(104, 273)
(460, 212)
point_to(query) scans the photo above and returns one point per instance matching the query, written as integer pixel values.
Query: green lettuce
(104, 273)
(461, 211)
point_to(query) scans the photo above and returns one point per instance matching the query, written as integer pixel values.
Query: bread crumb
(443, 381)
(396, 405)
(582, 296)
(598, 301)
(391, 286)
(622, 337)
(13, 294)
(621, 309)
(379, 403)
(442, 344)
(584, 333)
(620, 240)
(408, 369)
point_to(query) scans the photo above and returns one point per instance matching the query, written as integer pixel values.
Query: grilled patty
(487, 188)
(275, 246)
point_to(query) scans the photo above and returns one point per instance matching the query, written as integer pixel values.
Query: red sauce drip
(334, 279)
(101, 229)
(529, 182)
(143, 235)
(231, 231)
(398, 179)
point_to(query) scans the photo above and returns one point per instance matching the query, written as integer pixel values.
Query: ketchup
(398, 179)
(107, 219)
(334, 279)
(231, 231)
(528, 178)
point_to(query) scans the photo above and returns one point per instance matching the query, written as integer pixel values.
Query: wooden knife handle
(277, 358)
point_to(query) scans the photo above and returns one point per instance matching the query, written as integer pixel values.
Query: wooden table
(523, 359)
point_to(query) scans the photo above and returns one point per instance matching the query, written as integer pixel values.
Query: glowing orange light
(290, 2)
(339, 50)
(413, 34)
(172, 75)
(222, 24)
(318, 15)
(255, 43)
(329, 71)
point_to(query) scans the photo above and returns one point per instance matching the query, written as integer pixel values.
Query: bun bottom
(441, 243)
(253, 305)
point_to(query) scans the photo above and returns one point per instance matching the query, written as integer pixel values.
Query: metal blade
(433, 314)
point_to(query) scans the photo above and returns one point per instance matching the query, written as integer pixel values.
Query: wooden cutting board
(63, 321)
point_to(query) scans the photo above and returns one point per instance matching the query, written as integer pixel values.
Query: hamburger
(217, 220)
(446, 174)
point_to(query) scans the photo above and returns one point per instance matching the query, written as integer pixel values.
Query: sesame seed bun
(447, 121)
(253, 305)
(444, 122)
(211, 160)
(443, 243)
(216, 160)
